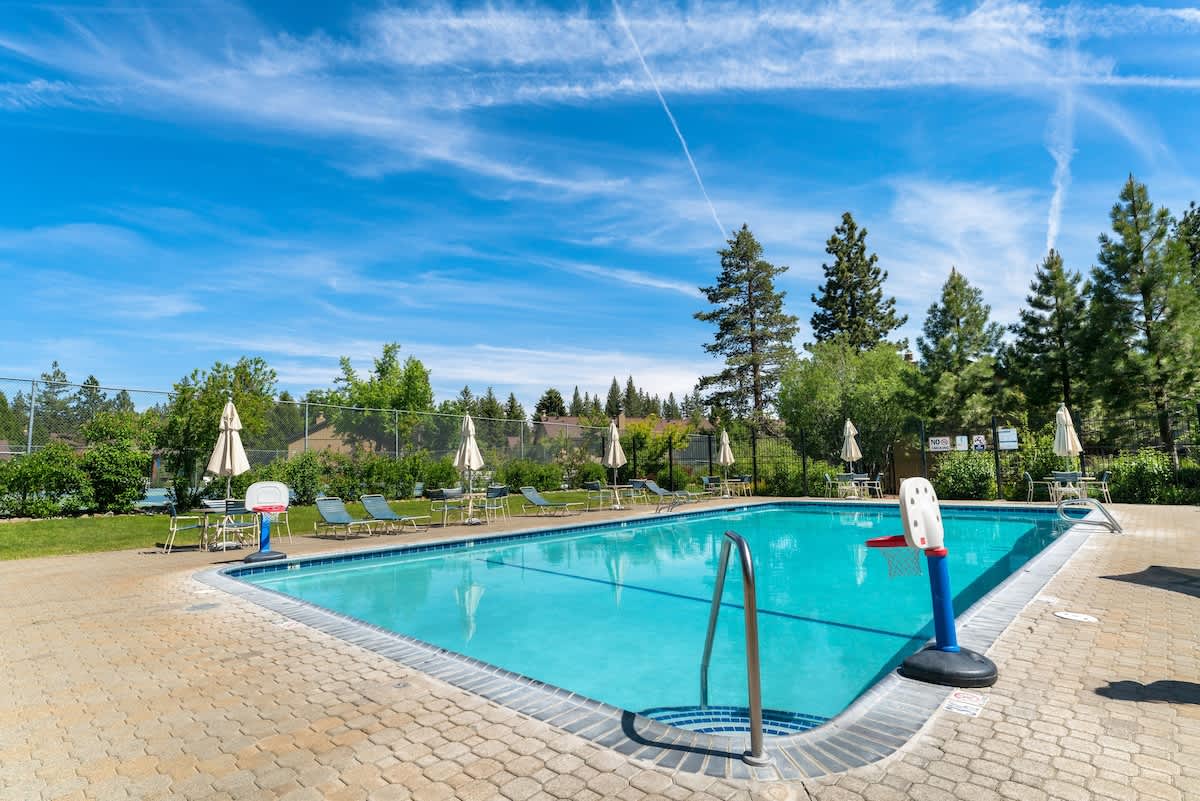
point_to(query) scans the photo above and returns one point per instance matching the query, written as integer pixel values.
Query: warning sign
(979, 442)
(939, 444)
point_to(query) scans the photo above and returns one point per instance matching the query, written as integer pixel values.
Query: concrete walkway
(125, 678)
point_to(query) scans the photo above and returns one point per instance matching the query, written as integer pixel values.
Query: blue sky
(499, 189)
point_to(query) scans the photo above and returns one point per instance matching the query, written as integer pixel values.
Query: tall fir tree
(671, 408)
(612, 406)
(596, 408)
(1143, 321)
(631, 400)
(851, 303)
(754, 334)
(550, 405)
(576, 408)
(491, 419)
(1048, 352)
(1187, 234)
(957, 350)
(513, 410)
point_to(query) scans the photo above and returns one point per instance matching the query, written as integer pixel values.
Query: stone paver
(125, 678)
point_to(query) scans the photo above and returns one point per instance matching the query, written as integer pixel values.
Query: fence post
(32, 404)
(306, 426)
(804, 463)
(521, 431)
(709, 435)
(396, 419)
(671, 466)
(754, 458)
(924, 461)
(996, 454)
(634, 449)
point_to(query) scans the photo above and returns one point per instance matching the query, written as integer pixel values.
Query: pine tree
(491, 416)
(1187, 233)
(466, 402)
(597, 409)
(576, 408)
(550, 405)
(671, 409)
(753, 332)
(612, 407)
(851, 303)
(958, 353)
(631, 401)
(1048, 351)
(1143, 322)
(513, 410)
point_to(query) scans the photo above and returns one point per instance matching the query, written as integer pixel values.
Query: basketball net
(901, 559)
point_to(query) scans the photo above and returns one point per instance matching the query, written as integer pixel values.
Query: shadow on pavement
(1165, 691)
(1179, 579)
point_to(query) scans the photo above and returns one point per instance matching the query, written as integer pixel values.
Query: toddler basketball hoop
(943, 662)
(266, 498)
(901, 560)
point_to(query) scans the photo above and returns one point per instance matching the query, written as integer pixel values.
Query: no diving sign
(979, 442)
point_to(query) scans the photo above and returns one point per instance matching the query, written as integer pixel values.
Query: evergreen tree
(89, 400)
(121, 402)
(1143, 323)
(958, 354)
(53, 414)
(466, 402)
(576, 408)
(851, 304)
(491, 420)
(632, 401)
(671, 408)
(1187, 234)
(612, 406)
(11, 427)
(550, 405)
(1048, 351)
(753, 332)
(597, 409)
(513, 410)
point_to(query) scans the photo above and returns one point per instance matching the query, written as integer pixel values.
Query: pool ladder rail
(1109, 522)
(755, 756)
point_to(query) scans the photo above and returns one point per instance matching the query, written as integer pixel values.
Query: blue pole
(264, 532)
(943, 601)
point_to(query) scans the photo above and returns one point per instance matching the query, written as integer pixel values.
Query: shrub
(46, 483)
(117, 475)
(1037, 458)
(303, 474)
(683, 477)
(592, 471)
(966, 475)
(786, 478)
(440, 473)
(524, 473)
(1143, 477)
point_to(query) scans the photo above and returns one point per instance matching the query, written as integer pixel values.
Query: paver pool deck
(124, 677)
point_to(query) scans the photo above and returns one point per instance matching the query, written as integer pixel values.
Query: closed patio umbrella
(469, 458)
(850, 450)
(725, 458)
(228, 457)
(1066, 442)
(614, 457)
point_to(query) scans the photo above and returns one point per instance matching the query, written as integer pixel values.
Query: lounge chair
(334, 516)
(666, 498)
(180, 523)
(378, 509)
(447, 501)
(536, 501)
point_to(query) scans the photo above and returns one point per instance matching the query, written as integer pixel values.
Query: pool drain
(731, 719)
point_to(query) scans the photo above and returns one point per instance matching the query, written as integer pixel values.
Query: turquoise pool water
(618, 613)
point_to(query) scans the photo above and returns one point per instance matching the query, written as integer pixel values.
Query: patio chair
(667, 498)
(747, 485)
(536, 501)
(1102, 483)
(830, 486)
(637, 491)
(447, 501)
(238, 525)
(873, 485)
(595, 494)
(712, 485)
(418, 490)
(1031, 484)
(378, 509)
(495, 503)
(181, 523)
(846, 488)
(334, 516)
(1065, 485)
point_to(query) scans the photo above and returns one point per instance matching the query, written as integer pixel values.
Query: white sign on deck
(960, 442)
(1007, 439)
(939, 444)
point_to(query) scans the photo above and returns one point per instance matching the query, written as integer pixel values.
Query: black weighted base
(963, 668)
(265, 556)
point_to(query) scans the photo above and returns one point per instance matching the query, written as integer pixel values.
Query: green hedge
(966, 476)
(787, 478)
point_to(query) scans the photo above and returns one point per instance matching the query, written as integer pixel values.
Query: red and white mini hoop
(901, 559)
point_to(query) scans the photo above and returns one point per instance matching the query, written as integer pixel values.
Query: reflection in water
(467, 595)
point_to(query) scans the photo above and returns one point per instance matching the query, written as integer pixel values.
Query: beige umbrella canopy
(1066, 442)
(850, 449)
(468, 458)
(614, 454)
(229, 457)
(725, 458)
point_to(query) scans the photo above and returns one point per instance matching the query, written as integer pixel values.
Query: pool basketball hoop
(901, 559)
(943, 662)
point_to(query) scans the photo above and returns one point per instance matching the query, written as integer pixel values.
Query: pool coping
(874, 726)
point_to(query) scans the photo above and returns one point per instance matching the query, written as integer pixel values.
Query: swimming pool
(618, 612)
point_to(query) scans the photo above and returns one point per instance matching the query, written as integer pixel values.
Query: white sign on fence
(979, 442)
(1008, 439)
(960, 442)
(939, 444)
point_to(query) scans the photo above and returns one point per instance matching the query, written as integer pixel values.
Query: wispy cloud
(634, 278)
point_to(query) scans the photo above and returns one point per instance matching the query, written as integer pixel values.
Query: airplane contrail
(653, 82)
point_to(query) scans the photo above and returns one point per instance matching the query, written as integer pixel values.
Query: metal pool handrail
(755, 756)
(1109, 521)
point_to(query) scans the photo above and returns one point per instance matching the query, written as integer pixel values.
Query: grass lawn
(25, 539)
